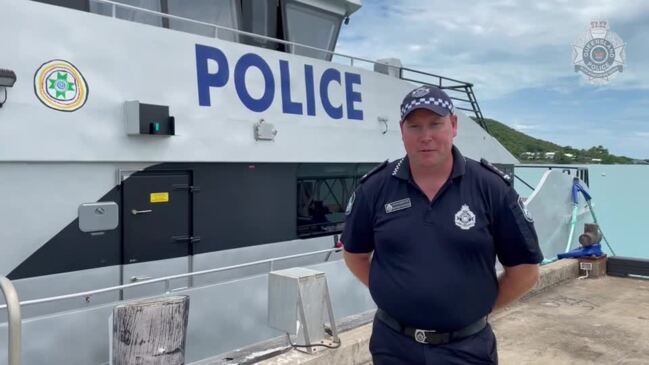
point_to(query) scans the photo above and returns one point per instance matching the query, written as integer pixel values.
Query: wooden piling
(150, 331)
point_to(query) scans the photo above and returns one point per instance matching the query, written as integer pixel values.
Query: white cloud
(508, 48)
(500, 46)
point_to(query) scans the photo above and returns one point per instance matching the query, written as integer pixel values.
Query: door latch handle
(136, 212)
(190, 239)
(140, 278)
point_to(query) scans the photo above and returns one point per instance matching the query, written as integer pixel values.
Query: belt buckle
(420, 336)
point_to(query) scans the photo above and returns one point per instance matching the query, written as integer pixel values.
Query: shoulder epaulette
(489, 166)
(373, 171)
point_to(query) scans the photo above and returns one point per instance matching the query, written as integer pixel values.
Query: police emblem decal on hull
(464, 218)
(59, 85)
(599, 53)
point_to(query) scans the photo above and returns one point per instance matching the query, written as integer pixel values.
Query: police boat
(148, 139)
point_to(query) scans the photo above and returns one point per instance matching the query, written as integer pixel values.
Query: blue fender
(594, 250)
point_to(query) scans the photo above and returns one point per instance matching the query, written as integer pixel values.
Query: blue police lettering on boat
(291, 103)
(288, 106)
(247, 61)
(310, 90)
(205, 79)
(328, 76)
(352, 79)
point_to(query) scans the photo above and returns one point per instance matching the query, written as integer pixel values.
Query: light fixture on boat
(264, 131)
(7, 79)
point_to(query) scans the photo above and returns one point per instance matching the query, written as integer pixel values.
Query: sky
(518, 55)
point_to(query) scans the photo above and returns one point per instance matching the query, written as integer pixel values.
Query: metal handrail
(449, 84)
(550, 166)
(14, 322)
(167, 279)
(580, 171)
(236, 31)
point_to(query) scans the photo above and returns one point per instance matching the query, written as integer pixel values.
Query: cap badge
(419, 92)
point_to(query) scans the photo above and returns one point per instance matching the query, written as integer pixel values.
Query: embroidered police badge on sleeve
(489, 166)
(526, 213)
(373, 171)
(350, 204)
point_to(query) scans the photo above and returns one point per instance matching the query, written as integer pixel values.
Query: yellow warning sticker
(159, 197)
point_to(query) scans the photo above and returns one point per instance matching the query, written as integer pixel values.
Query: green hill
(530, 149)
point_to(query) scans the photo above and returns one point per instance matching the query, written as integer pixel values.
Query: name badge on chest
(398, 205)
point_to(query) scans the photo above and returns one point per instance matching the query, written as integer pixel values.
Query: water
(620, 203)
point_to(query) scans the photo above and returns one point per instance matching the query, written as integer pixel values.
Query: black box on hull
(149, 119)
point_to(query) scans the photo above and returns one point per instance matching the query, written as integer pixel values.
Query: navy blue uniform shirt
(433, 265)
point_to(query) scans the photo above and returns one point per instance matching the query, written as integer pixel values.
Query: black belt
(431, 337)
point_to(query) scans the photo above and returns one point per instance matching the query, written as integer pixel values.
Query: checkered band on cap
(429, 97)
(430, 101)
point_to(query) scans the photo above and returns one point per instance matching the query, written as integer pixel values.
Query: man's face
(428, 138)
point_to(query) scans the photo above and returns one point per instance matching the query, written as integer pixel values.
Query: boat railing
(460, 92)
(352, 60)
(577, 171)
(86, 295)
(15, 321)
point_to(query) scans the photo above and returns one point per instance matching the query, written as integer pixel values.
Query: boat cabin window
(313, 27)
(222, 12)
(323, 191)
(131, 14)
(314, 23)
(225, 14)
(261, 17)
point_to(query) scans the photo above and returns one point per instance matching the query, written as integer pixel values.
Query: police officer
(423, 234)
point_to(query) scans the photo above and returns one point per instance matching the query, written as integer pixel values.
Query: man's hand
(359, 265)
(515, 282)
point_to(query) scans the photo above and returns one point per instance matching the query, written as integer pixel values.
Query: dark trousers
(389, 347)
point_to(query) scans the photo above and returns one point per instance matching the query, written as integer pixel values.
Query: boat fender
(373, 171)
(489, 166)
(594, 251)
